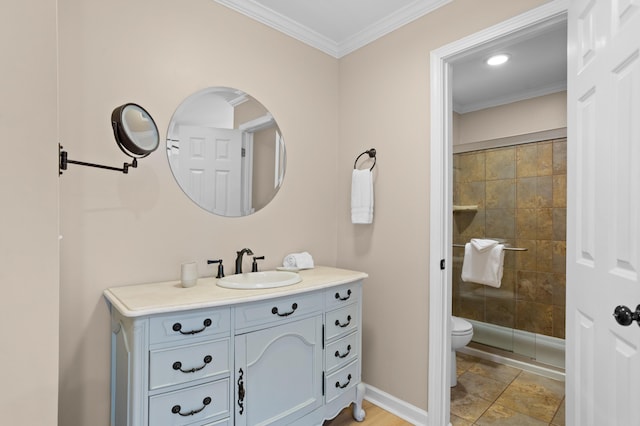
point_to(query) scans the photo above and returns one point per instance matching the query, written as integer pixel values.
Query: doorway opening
(445, 132)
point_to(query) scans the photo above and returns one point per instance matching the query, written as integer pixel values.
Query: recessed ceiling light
(496, 60)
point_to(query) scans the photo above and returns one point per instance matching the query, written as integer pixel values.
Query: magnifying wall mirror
(136, 135)
(226, 151)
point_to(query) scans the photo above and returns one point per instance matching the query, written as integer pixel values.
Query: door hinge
(442, 264)
(322, 336)
(244, 152)
(323, 383)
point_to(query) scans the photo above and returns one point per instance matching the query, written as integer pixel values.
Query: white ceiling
(538, 66)
(338, 27)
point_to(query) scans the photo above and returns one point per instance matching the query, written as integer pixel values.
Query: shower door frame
(441, 203)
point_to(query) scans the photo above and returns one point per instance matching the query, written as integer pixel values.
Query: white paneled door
(210, 162)
(603, 232)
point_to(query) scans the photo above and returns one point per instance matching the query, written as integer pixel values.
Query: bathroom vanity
(208, 355)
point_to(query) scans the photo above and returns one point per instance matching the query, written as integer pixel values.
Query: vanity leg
(358, 411)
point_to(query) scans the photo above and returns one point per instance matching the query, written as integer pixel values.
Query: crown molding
(515, 97)
(337, 49)
(391, 23)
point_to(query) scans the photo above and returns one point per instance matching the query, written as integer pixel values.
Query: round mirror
(226, 151)
(135, 131)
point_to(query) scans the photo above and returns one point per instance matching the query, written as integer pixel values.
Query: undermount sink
(259, 280)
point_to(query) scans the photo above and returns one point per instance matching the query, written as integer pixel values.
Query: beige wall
(518, 118)
(125, 229)
(29, 260)
(384, 103)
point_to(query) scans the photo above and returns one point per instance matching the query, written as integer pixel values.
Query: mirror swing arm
(136, 135)
(64, 162)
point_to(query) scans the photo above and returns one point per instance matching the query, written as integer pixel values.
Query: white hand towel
(483, 262)
(298, 260)
(483, 245)
(362, 196)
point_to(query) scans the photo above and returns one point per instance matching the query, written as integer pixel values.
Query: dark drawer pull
(345, 324)
(338, 385)
(344, 355)
(343, 298)
(178, 365)
(178, 327)
(176, 409)
(284, 314)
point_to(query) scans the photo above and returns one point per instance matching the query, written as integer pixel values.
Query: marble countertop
(170, 296)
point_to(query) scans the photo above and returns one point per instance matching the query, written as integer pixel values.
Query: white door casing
(603, 190)
(441, 205)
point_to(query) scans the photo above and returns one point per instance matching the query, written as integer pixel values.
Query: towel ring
(372, 154)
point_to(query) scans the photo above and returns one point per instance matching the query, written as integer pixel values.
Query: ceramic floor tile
(489, 393)
(467, 406)
(534, 396)
(493, 370)
(498, 415)
(484, 387)
(558, 419)
(463, 363)
(457, 421)
(535, 383)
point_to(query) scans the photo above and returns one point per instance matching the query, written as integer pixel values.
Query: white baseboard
(390, 403)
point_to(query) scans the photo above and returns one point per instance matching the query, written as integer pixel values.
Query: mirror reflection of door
(209, 166)
(226, 151)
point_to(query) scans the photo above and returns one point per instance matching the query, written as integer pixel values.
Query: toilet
(461, 334)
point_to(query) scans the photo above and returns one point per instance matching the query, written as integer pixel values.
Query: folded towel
(483, 262)
(362, 196)
(298, 260)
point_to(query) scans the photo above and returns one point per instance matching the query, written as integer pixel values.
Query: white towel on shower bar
(362, 196)
(483, 262)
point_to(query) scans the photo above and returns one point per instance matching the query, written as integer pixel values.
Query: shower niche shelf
(467, 208)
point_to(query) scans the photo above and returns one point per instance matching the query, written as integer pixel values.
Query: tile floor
(494, 394)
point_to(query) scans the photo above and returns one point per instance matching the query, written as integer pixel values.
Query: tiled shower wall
(520, 192)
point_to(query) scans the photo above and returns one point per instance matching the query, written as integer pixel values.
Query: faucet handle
(254, 265)
(220, 267)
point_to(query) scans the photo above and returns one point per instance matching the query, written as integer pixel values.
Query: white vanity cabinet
(171, 369)
(212, 356)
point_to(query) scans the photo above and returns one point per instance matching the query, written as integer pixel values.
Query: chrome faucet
(239, 259)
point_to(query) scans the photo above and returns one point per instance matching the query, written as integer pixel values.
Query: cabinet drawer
(190, 362)
(188, 325)
(223, 422)
(341, 321)
(276, 310)
(342, 352)
(190, 406)
(343, 379)
(337, 297)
